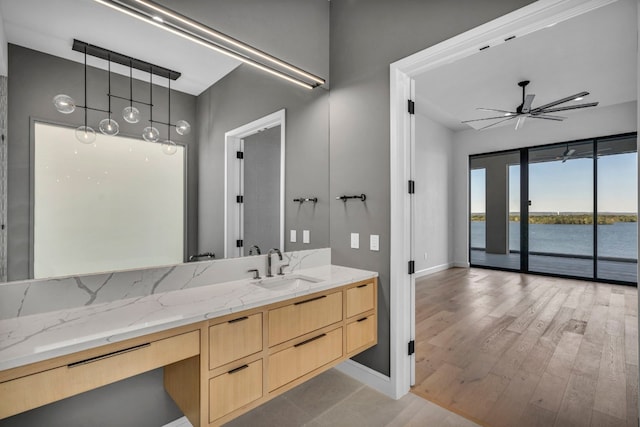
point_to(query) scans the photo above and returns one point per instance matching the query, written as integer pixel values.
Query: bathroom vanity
(225, 348)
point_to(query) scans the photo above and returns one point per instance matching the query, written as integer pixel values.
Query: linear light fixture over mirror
(183, 26)
(108, 126)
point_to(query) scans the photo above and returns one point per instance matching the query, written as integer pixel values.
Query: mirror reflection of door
(261, 192)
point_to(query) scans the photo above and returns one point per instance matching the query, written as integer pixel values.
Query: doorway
(527, 20)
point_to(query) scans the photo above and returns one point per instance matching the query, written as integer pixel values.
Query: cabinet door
(302, 358)
(361, 333)
(304, 316)
(234, 389)
(360, 298)
(234, 339)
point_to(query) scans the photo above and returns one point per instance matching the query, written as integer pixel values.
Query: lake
(617, 240)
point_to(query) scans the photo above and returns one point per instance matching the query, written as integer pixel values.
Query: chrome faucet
(272, 250)
(256, 247)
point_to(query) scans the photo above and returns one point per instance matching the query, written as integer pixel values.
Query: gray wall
(35, 78)
(262, 189)
(366, 36)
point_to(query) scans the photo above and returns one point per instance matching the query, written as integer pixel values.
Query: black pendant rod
(130, 85)
(169, 112)
(109, 85)
(85, 88)
(151, 97)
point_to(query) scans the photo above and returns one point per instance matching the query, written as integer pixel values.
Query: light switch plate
(374, 242)
(293, 236)
(355, 241)
(305, 236)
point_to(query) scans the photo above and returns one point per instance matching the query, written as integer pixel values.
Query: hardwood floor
(507, 349)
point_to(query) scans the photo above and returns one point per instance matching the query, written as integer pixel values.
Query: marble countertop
(38, 337)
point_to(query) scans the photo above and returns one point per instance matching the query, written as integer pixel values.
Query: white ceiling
(51, 25)
(594, 52)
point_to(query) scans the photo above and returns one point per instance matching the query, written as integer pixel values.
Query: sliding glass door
(561, 209)
(566, 209)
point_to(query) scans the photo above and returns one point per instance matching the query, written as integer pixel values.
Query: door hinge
(412, 267)
(411, 347)
(239, 155)
(412, 186)
(239, 243)
(411, 107)
(239, 199)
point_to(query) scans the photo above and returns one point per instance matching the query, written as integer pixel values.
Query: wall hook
(362, 197)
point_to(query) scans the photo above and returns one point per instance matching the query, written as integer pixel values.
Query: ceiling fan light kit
(526, 110)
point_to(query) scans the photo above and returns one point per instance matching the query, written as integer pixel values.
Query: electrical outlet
(374, 242)
(305, 236)
(293, 236)
(355, 241)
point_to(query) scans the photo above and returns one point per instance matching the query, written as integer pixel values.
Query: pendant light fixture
(85, 134)
(169, 147)
(64, 103)
(150, 133)
(109, 126)
(131, 114)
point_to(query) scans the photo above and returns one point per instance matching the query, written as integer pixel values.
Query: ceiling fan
(526, 110)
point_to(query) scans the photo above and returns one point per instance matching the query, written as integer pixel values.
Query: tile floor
(335, 399)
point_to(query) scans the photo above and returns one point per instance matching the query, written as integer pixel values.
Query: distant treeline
(567, 219)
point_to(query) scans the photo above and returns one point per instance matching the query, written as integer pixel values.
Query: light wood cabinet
(234, 389)
(304, 316)
(361, 298)
(304, 357)
(40, 388)
(234, 339)
(361, 333)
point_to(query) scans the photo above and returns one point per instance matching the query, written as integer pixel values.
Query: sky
(567, 187)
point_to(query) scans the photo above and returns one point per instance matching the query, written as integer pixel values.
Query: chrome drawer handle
(106, 356)
(309, 340)
(239, 319)
(309, 300)
(233, 371)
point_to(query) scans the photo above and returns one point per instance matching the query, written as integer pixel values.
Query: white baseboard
(462, 264)
(368, 376)
(432, 270)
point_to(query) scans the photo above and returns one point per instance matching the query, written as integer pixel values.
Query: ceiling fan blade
(560, 101)
(498, 122)
(520, 123)
(568, 107)
(555, 118)
(526, 106)
(549, 116)
(487, 118)
(497, 111)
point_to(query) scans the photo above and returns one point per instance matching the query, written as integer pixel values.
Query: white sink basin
(288, 283)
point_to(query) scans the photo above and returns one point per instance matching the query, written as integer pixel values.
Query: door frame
(233, 185)
(523, 21)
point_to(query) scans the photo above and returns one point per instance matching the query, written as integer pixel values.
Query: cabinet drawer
(302, 358)
(303, 317)
(234, 389)
(361, 333)
(55, 384)
(234, 339)
(360, 299)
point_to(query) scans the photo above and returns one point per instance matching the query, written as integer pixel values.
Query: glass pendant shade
(169, 147)
(85, 134)
(131, 114)
(150, 134)
(183, 127)
(109, 127)
(64, 103)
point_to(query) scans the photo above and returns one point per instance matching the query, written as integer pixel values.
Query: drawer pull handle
(239, 319)
(363, 319)
(233, 371)
(309, 300)
(362, 286)
(106, 356)
(309, 340)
